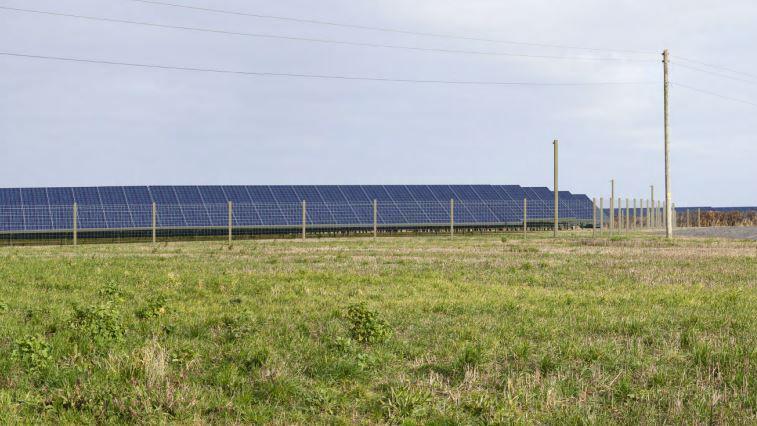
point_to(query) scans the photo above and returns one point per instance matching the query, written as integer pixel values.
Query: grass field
(479, 329)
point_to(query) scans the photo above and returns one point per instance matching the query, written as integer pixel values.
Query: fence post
(699, 217)
(557, 196)
(231, 207)
(601, 215)
(612, 213)
(593, 216)
(635, 215)
(628, 216)
(620, 215)
(154, 223)
(76, 223)
(375, 218)
(304, 218)
(525, 217)
(452, 217)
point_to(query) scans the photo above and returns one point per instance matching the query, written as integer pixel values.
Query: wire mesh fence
(78, 223)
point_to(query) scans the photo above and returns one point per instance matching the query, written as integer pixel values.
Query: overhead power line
(320, 40)
(323, 76)
(717, 67)
(717, 74)
(717, 95)
(386, 29)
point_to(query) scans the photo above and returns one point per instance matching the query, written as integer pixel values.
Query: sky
(83, 124)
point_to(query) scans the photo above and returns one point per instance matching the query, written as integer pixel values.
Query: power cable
(321, 76)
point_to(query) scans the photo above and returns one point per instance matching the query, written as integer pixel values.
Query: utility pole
(668, 205)
(557, 209)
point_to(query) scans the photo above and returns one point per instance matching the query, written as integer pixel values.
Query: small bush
(154, 308)
(365, 325)
(102, 323)
(33, 352)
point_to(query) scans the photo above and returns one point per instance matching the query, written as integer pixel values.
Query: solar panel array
(127, 207)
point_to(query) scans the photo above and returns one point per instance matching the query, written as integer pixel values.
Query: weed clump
(365, 325)
(33, 352)
(102, 323)
(405, 402)
(154, 308)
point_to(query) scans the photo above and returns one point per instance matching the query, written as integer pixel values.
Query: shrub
(33, 352)
(365, 325)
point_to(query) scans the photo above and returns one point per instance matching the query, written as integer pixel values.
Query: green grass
(477, 329)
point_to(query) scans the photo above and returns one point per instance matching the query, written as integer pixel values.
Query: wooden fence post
(76, 223)
(452, 217)
(154, 223)
(375, 218)
(231, 207)
(304, 218)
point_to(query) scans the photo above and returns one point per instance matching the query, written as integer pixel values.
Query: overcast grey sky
(82, 124)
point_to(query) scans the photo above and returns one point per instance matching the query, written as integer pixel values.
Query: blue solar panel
(191, 206)
(90, 214)
(388, 213)
(342, 214)
(169, 211)
(355, 194)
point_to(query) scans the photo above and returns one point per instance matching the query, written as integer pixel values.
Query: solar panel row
(39, 209)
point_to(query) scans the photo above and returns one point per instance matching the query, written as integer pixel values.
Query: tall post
(593, 216)
(525, 217)
(612, 206)
(653, 221)
(557, 209)
(76, 223)
(620, 215)
(231, 207)
(668, 201)
(628, 217)
(154, 223)
(601, 214)
(375, 218)
(304, 218)
(635, 215)
(452, 217)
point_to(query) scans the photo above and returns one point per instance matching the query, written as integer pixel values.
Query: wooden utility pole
(557, 209)
(668, 202)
